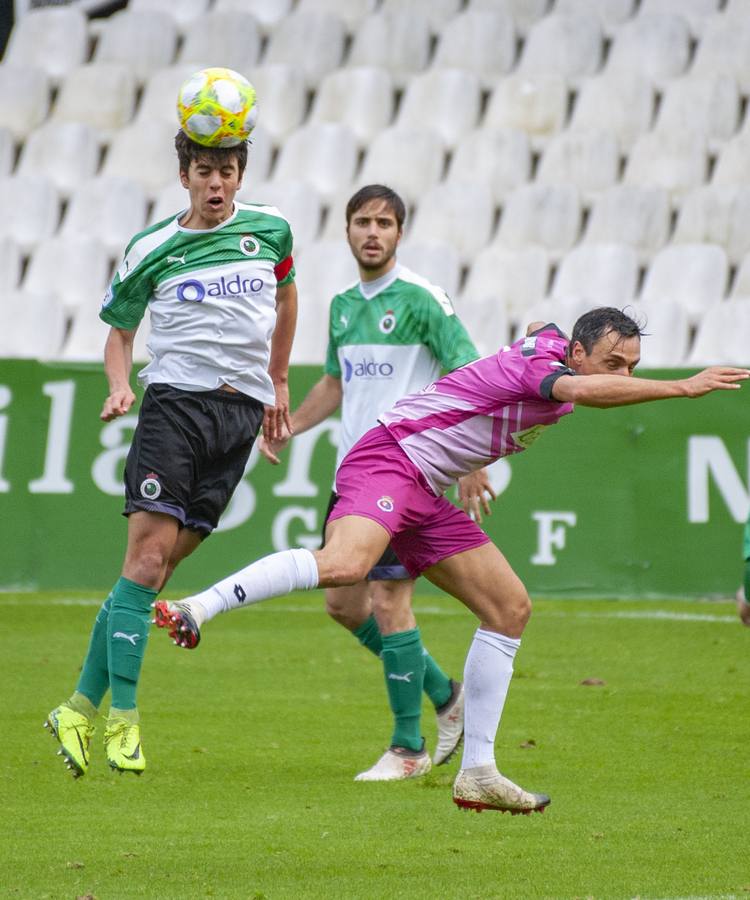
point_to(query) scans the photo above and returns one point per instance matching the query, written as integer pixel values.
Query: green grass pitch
(253, 739)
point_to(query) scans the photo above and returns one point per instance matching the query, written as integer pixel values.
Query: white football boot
(397, 764)
(450, 726)
(483, 787)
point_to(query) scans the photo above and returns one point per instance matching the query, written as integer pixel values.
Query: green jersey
(746, 542)
(211, 295)
(388, 338)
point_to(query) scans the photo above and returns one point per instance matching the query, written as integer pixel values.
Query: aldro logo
(195, 291)
(366, 368)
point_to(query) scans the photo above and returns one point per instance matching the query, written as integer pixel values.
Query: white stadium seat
(146, 156)
(514, 279)
(438, 12)
(232, 37)
(697, 12)
(567, 45)
(7, 151)
(351, 11)
(109, 209)
(297, 202)
(29, 209)
(10, 264)
(721, 337)
(481, 42)
(398, 41)
(732, 166)
(602, 274)
(408, 160)
(524, 12)
(622, 105)
(695, 275)
(459, 214)
(486, 321)
(81, 267)
(741, 284)
(171, 200)
(99, 94)
(311, 42)
(656, 46)
(676, 161)
(269, 13)
(716, 214)
(446, 100)
(182, 11)
(611, 13)
(144, 41)
(361, 97)
(86, 338)
(710, 104)
(563, 313)
(65, 152)
(324, 155)
(282, 98)
(158, 101)
(639, 216)
(724, 49)
(26, 91)
(667, 333)
(589, 160)
(33, 326)
(53, 39)
(500, 158)
(536, 104)
(544, 214)
(437, 261)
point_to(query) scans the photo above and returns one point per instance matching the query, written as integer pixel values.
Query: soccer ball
(216, 108)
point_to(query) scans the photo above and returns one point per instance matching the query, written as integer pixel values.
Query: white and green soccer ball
(216, 108)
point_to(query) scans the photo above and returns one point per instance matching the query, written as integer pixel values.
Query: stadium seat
(667, 337)
(99, 94)
(601, 274)
(312, 43)
(269, 13)
(10, 265)
(674, 160)
(398, 41)
(737, 9)
(283, 98)
(408, 160)
(639, 216)
(86, 337)
(29, 209)
(25, 90)
(486, 321)
(146, 156)
(710, 104)
(33, 326)
(566, 45)
(697, 12)
(351, 11)
(611, 13)
(438, 12)
(296, 200)
(544, 214)
(622, 105)
(158, 101)
(498, 157)
(324, 155)
(724, 50)
(536, 104)
(446, 100)
(524, 12)
(458, 213)
(144, 41)
(656, 46)
(232, 37)
(437, 261)
(589, 160)
(81, 267)
(513, 279)
(716, 214)
(54, 40)
(741, 285)
(170, 200)
(563, 313)
(695, 275)
(65, 152)
(361, 97)
(109, 209)
(732, 166)
(721, 336)
(182, 11)
(481, 42)
(7, 151)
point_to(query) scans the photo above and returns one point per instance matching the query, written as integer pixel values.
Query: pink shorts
(377, 480)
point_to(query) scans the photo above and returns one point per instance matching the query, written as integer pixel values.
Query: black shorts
(387, 568)
(188, 453)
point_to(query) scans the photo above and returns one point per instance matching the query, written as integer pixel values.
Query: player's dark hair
(600, 321)
(376, 192)
(188, 151)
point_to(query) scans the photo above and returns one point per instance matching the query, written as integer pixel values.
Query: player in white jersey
(390, 334)
(218, 281)
(391, 485)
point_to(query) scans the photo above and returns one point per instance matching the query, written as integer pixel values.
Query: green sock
(368, 634)
(93, 681)
(127, 634)
(403, 663)
(437, 685)
(81, 704)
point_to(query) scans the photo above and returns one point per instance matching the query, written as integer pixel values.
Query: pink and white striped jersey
(490, 408)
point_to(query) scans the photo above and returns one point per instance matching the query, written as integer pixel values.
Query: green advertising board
(642, 500)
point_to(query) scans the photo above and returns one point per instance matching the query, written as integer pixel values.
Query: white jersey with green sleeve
(211, 295)
(388, 338)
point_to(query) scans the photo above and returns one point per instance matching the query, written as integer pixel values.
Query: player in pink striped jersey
(391, 489)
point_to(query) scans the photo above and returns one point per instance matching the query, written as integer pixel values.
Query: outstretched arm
(323, 399)
(623, 390)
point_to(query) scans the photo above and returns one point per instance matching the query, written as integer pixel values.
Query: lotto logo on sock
(385, 504)
(150, 486)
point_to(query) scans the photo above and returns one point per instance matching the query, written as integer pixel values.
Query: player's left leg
(482, 579)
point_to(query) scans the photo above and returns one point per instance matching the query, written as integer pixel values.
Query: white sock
(487, 674)
(271, 576)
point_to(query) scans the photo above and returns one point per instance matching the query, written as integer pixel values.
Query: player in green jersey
(390, 334)
(218, 281)
(743, 594)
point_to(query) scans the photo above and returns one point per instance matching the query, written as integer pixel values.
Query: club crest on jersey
(151, 486)
(249, 245)
(385, 504)
(388, 322)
